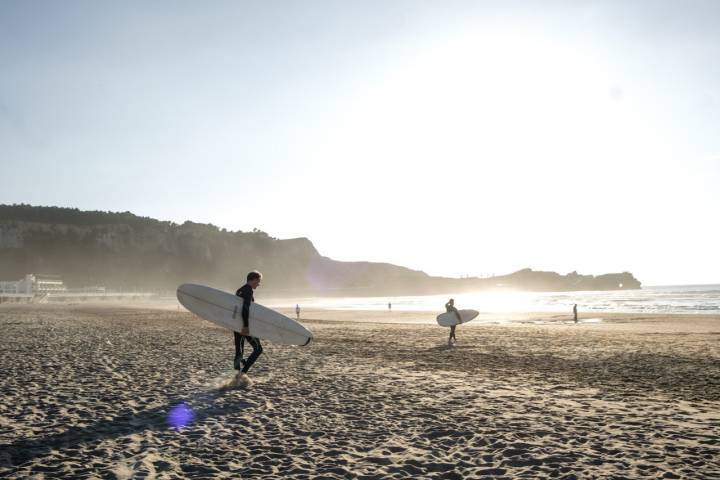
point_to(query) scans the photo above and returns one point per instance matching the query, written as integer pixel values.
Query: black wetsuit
(246, 293)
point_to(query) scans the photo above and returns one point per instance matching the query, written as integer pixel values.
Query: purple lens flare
(180, 415)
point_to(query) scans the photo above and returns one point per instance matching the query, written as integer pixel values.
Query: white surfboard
(225, 309)
(448, 319)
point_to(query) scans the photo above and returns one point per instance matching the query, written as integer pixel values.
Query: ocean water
(660, 299)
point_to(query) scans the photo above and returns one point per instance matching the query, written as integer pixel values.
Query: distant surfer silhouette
(246, 293)
(297, 310)
(450, 307)
(575, 312)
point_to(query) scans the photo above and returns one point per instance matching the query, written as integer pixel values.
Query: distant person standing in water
(389, 307)
(450, 307)
(575, 312)
(246, 293)
(297, 310)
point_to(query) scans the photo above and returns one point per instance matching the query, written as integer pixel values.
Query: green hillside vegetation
(125, 251)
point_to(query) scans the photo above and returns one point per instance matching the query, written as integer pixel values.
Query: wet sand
(85, 392)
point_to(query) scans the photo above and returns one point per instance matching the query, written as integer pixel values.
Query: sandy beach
(88, 391)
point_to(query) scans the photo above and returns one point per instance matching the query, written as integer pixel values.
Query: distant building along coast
(32, 285)
(39, 288)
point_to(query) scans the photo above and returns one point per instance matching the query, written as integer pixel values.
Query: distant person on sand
(389, 307)
(246, 293)
(297, 310)
(450, 307)
(575, 312)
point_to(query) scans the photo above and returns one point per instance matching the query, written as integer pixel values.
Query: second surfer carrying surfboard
(450, 307)
(246, 293)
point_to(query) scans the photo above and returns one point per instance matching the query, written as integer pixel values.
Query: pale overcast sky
(453, 137)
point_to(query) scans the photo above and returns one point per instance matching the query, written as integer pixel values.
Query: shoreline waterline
(691, 299)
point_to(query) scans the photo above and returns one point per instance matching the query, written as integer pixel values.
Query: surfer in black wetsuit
(450, 307)
(246, 293)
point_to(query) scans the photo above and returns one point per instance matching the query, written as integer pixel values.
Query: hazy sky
(454, 137)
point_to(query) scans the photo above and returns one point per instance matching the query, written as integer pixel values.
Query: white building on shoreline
(32, 285)
(41, 288)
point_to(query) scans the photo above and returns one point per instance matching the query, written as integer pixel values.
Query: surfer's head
(254, 278)
(452, 301)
